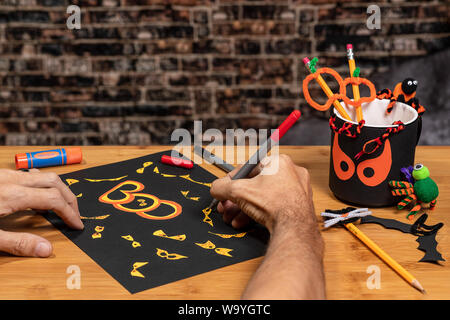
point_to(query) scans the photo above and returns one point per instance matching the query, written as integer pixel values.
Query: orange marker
(48, 158)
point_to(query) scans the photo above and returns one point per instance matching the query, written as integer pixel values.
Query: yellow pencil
(385, 257)
(328, 92)
(352, 67)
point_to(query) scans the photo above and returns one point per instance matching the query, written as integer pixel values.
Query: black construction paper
(121, 241)
(426, 235)
(388, 223)
(428, 245)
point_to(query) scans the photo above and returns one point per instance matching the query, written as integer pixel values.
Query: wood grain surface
(346, 258)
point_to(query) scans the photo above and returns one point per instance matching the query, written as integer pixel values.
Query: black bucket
(364, 181)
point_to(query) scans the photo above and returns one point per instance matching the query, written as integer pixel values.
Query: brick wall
(137, 69)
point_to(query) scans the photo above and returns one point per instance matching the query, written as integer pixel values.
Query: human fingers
(17, 197)
(241, 220)
(225, 188)
(24, 244)
(35, 178)
(229, 211)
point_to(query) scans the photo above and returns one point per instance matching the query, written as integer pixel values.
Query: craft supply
(178, 162)
(352, 67)
(333, 98)
(337, 217)
(372, 145)
(407, 172)
(215, 160)
(327, 90)
(147, 218)
(48, 158)
(245, 170)
(404, 92)
(423, 190)
(377, 250)
(426, 235)
(384, 256)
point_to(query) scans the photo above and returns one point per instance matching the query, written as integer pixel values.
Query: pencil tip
(416, 284)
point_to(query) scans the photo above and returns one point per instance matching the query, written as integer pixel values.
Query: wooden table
(346, 258)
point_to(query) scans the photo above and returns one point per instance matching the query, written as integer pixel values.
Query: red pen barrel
(286, 125)
(178, 162)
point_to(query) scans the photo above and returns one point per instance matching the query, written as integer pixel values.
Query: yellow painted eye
(71, 181)
(137, 265)
(135, 244)
(128, 237)
(160, 233)
(207, 245)
(224, 251)
(135, 272)
(96, 235)
(169, 256)
(228, 236)
(99, 228)
(180, 237)
(207, 219)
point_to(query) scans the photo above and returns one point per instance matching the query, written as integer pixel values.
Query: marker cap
(21, 161)
(178, 162)
(74, 155)
(286, 125)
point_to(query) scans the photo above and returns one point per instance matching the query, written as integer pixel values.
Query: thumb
(24, 244)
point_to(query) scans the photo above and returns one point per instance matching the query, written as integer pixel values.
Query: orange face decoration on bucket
(144, 202)
(371, 172)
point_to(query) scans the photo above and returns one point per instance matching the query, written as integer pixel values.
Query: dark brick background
(138, 69)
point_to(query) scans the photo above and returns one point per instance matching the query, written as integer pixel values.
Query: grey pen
(215, 160)
(254, 160)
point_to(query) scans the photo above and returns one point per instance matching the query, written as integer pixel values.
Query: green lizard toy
(424, 190)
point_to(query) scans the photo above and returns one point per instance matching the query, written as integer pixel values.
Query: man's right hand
(279, 200)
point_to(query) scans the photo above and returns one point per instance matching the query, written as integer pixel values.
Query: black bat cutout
(426, 235)
(428, 245)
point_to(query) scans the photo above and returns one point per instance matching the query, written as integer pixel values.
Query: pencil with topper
(311, 68)
(355, 87)
(344, 217)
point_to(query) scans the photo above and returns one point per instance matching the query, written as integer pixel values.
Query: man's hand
(34, 190)
(282, 199)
